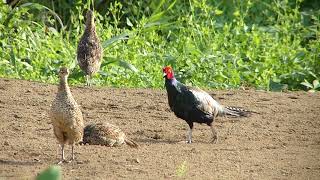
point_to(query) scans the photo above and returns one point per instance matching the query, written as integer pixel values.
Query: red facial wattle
(168, 72)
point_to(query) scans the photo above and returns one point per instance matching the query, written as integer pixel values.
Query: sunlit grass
(209, 43)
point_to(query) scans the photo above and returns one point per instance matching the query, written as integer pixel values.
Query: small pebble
(17, 116)
(80, 162)
(156, 136)
(137, 160)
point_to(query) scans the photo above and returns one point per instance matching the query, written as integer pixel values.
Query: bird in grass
(106, 134)
(195, 105)
(89, 53)
(66, 116)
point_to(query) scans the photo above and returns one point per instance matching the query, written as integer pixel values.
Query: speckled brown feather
(106, 134)
(89, 53)
(66, 116)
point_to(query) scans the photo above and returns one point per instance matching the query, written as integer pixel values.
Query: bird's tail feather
(235, 111)
(131, 143)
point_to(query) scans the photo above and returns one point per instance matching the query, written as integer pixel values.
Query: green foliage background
(210, 43)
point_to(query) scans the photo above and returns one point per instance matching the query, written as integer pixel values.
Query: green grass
(212, 44)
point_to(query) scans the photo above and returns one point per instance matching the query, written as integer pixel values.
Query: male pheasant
(195, 105)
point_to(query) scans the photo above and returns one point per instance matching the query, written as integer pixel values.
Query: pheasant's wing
(205, 102)
(195, 105)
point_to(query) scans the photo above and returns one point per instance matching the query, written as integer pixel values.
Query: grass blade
(114, 39)
(39, 6)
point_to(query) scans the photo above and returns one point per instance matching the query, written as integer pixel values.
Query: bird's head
(168, 72)
(89, 17)
(89, 14)
(63, 72)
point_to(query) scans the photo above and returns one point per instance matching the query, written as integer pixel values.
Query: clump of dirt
(281, 142)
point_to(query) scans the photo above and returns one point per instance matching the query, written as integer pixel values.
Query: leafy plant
(51, 173)
(271, 45)
(314, 86)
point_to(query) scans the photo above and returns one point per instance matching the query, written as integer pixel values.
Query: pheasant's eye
(167, 70)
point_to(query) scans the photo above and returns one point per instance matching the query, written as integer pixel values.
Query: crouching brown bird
(66, 116)
(89, 52)
(106, 134)
(195, 105)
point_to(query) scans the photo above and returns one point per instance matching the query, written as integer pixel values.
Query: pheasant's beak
(164, 74)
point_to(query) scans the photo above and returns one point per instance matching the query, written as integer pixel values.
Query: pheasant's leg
(88, 80)
(62, 154)
(189, 140)
(214, 134)
(72, 152)
(189, 136)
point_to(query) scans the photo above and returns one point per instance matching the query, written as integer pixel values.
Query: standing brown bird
(89, 51)
(106, 134)
(66, 116)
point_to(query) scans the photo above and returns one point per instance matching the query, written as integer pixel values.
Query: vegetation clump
(271, 44)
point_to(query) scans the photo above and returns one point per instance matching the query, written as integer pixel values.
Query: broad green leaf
(4, 62)
(236, 13)
(129, 22)
(119, 62)
(114, 39)
(277, 86)
(127, 65)
(159, 6)
(171, 5)
(27, 65)
(315, 84)
(158, 16)
(312, 74)
(218, 12)
(307, 84)
(109, 60)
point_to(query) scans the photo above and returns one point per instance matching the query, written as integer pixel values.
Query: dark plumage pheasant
(106, 134)
(195, 105)
(89, 53)
(66, 116)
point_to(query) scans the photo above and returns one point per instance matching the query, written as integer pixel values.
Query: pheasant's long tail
(235, 111)
(131, 143)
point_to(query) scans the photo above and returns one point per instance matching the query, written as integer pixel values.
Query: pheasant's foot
(214, 140)
(63, 161)
(185, 142)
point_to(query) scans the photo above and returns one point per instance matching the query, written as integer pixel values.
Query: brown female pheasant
(106, 134)
(66, 116)
(89, 51)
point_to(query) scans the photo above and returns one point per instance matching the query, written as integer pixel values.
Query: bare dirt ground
(282, 142)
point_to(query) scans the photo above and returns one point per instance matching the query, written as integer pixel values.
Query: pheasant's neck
(90, 26)
(173, 81)
(172, 86)
(63, 85)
